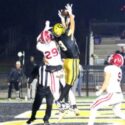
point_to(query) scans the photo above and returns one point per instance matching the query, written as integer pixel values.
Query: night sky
(22, 20)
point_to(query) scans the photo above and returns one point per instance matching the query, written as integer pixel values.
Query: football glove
(47, 25)
(61, 16)
(69, 8)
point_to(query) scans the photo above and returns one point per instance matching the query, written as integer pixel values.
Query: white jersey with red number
(50, 52)
(115, 79)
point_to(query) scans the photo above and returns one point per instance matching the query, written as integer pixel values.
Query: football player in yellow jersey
(64, 32)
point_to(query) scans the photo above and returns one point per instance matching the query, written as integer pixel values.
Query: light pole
(21, 56)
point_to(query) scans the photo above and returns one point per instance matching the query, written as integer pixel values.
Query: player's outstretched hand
(47, 25)
(60, 15)
(69, 8)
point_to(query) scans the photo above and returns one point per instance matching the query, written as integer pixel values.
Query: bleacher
(110, 35)
(106, 47)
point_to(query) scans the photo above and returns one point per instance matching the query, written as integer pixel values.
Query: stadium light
(19, 54)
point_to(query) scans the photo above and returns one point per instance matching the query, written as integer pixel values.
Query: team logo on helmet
(45, 36)
(58, 29)
(116, 59)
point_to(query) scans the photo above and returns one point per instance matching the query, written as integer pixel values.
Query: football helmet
(58, 29)
(45, 36)
(116, 59)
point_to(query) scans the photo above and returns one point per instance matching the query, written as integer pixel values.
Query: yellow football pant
(71, 68)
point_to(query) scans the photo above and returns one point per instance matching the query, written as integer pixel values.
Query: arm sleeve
(107, 69)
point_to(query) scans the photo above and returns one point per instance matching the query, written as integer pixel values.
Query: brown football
(64, 13)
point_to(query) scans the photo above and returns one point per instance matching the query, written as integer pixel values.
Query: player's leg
(64, 92)
(72, 98)
(49, 102)
(71, 72)
(73, 105)
(74, 87)
(118, 112)
(54, 86)
(117, 106)
(66, 98)
(62, 85)
(71, 67)
(103, 100)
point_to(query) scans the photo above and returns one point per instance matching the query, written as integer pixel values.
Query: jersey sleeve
(108, 69)
(39, 46)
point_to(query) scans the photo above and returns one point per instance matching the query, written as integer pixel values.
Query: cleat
(67, 105)
(58, 103)
(75, 110)
(62, 106)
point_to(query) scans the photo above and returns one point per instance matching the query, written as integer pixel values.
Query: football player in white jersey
(52, 57)
(47, 45)
(111, 86)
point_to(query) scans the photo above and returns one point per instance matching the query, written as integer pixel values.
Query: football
(64, 13)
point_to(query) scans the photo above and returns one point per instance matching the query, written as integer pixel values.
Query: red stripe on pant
(52, 82)
(100, 101)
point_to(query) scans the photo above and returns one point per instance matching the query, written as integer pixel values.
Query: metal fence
(92, 78)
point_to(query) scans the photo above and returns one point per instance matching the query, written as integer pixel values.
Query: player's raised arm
(62, 14)
(72, 21)
(46, 28)
(47, 25)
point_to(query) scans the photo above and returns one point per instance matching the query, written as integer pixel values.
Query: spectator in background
(31, 90)
(95, 58)
(123, 51)
(77, 86)
(122, 35)
(14, 79)
(80, 80)
(97, 40)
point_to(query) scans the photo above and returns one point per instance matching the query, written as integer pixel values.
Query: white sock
(92, 117)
